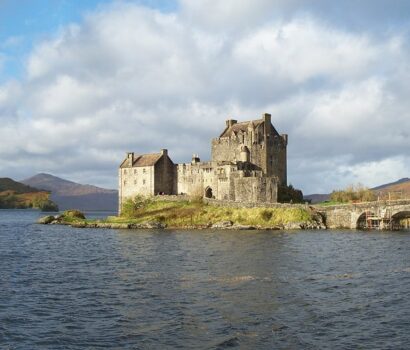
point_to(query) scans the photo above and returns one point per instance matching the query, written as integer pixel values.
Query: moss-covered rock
(73, 214)
(45, 220)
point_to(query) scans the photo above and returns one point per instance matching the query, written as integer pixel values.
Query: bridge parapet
(347, 215)
(362, 205)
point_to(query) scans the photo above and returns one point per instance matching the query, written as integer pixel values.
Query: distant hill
(398, 189)
(316, 198)
(15, 195)
(68, 194)
(392, 184)
(7, 184)
(395, 190)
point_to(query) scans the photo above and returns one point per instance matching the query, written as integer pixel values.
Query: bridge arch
(366, 220)
(401, 219)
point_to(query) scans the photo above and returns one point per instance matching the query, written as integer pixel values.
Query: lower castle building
(248, 164)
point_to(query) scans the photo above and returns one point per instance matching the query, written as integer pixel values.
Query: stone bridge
(352, 216)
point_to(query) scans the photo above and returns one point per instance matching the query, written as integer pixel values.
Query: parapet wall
(233, 204)
(172, 198)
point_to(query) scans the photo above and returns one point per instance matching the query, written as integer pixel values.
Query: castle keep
(248, 164)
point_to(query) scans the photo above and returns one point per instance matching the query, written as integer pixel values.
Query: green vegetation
(70, 216)
(36, 200)
(351, 194)
(196, 213)
(15, 195)
(289, 194)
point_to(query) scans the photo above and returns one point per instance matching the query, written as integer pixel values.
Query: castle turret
(245, 155)
(195, 159)
(267, 165)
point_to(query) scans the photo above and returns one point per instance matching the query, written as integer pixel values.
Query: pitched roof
(142, 160)
(242, 126)
(147, 159)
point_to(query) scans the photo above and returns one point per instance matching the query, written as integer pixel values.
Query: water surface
(65, 288)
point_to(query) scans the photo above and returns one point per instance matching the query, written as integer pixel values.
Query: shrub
(266, 214)
(289, 194)
(73, 214)
(353, 194)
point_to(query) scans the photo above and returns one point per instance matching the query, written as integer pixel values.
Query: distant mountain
(69, 194)
(398, 189)
(404, 180)
(395, 190)
(316, 198)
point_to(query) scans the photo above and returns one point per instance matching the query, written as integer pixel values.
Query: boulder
(294, 226)
(120, 226)
(222, 224)
(148, 225)
(79, 224)
(242, 227)
(45, 220)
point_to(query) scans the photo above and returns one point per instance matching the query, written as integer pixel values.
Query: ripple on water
(71, 288)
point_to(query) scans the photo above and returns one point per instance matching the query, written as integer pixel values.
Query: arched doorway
(208, 192)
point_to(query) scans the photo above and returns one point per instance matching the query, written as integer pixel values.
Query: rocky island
(161, 213)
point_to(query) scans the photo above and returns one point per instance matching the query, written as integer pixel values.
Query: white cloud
(132, 78)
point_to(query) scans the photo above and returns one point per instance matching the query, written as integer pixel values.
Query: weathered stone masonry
(248, 164)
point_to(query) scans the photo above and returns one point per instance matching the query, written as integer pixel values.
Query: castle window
(144, 171)
(125, 172)
(125, 183)
(143, 182)
(135, 171)
(135, 182)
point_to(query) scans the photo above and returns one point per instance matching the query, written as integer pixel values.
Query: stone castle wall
(234, 204)
(134, 181)
(248, 165)
(165, 177)
(256, 189)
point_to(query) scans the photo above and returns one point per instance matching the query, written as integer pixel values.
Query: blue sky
(24, 23)
(83, 82)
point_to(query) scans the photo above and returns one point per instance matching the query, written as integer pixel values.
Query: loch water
(66, 288)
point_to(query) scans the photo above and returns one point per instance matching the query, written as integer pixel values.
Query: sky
(84, 82)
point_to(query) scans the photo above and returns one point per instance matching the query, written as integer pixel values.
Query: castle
(248, 164)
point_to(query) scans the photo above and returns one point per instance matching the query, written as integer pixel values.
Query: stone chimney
(130, 157)
(195, 159)
(266, 118)
(230, 122)
(164, 152)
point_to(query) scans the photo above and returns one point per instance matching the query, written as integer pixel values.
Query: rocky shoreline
(223, 225)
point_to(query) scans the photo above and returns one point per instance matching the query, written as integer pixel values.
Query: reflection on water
(86, 288)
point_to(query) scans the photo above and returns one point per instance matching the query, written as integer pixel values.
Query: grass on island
(196, 213)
